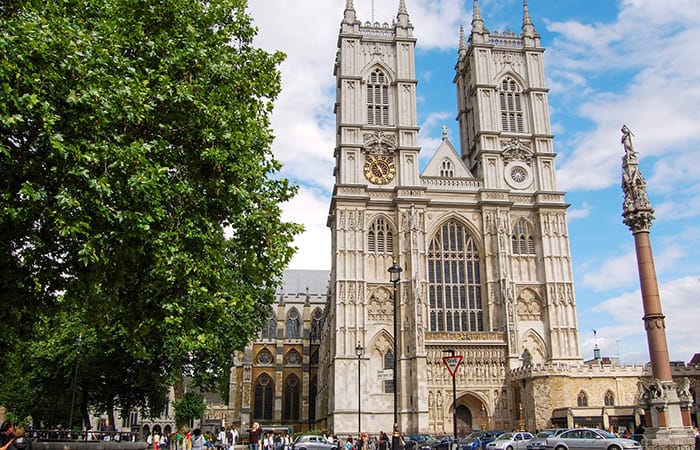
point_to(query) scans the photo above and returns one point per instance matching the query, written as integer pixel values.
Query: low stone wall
(89, 445)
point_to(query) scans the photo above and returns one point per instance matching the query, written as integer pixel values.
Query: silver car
(510, 441)
(537, 443)
(590, 439)
(312, 442)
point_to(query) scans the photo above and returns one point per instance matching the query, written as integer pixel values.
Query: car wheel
(561, 447)
(614, 447)
(509, 448)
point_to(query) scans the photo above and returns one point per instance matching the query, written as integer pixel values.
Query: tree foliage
(189, 406)
(139, 196)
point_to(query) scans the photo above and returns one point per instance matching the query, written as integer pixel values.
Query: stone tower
(480, 233)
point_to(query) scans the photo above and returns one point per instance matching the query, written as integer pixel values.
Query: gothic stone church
(481, 237)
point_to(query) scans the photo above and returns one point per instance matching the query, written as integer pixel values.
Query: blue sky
(608, 63)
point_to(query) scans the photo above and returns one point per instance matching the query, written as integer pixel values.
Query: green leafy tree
(189, 406)
(140, 201)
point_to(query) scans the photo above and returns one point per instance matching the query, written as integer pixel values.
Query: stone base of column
(682, 438)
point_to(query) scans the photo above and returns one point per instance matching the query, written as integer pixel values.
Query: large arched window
(380, 239)
(291, 398)
(455, 281)
(511, 106)
(377, 98)
(293, 324)
(264, 394)
(522, 239)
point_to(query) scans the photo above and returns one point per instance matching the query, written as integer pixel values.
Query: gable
(446, 163)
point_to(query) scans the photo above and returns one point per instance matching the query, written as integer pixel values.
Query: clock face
(380, 169)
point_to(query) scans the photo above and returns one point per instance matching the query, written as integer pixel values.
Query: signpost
(452, 363)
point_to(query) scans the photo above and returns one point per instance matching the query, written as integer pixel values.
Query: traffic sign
(452, 363)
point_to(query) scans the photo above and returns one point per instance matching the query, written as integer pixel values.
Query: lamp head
(395, 273)
(358, 350)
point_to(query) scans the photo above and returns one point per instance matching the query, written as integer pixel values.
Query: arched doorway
(464, 421)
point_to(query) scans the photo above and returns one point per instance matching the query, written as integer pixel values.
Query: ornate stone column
(660, 398)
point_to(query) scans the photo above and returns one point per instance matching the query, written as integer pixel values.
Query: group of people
(227, 438)
(363, 442)
(268, 441)
(12, 437)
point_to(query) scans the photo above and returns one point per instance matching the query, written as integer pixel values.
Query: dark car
(414, 441)
(488, 436)
(445, 443)
(590, 439)
(538, 442)
(471, 441)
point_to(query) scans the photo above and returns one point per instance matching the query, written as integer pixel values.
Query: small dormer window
(446, 169)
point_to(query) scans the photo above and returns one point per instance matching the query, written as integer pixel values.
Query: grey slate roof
(297, 282)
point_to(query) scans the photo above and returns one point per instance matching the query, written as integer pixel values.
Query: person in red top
(255, 433)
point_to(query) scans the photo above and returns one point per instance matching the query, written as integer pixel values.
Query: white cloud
(310, 207)
(579, 213)
(678, 298)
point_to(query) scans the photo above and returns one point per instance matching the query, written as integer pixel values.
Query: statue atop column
(636, 208)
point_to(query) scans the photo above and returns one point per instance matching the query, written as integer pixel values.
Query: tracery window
(291, 398)
(264, 391)
(293, 325)
(511, 106)
(316, 325)
(455, 281)
(380, 239)
(269, 331)
(446, 170)
(609, 399)
(388, 365)
(582, 399)
(522, 239)
(377, 98)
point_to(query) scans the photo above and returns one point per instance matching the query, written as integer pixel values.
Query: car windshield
(607, 434)
(473, 435)
(505, 437)
(545, 434)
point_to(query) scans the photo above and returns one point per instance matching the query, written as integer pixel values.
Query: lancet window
(512, 118)
(454, 281)
(290, 411)
(377, 98)
(522, 239)
(264, 392)
(446, 169)
(380, 239)
(388, 365)
(293, 325)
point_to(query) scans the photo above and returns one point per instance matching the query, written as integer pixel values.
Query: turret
(478, 29)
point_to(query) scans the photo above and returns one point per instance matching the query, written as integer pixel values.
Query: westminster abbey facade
(481, 237)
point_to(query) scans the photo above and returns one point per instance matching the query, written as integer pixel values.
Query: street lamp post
(358, 352)
(454, 398)
(395, 276)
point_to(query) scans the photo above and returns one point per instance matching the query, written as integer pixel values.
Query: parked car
(590, 439)
(537, 443)
(477, 440)
(445, 443)
(414, 441)
(489, 436)
(312, 442)
(510, 441)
